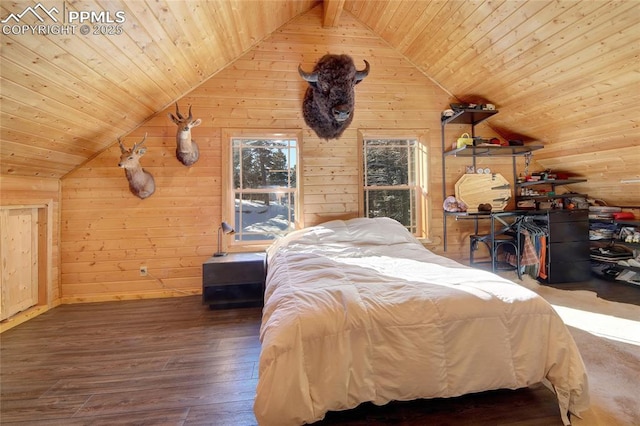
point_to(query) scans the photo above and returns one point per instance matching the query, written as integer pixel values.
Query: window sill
(425, 241)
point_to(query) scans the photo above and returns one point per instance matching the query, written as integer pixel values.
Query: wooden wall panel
(43, 194)
(107, 233)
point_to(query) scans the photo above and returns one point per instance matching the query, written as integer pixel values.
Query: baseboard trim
(23, 316)
(93, 298)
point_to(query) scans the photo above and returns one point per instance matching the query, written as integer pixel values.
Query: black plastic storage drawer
(568, 272)
(575, 251)
(568, 216)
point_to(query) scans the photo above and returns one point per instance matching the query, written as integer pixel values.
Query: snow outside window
(264, 186)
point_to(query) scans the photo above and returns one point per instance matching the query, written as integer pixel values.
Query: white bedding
(360, 311)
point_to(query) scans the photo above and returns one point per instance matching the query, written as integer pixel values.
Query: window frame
(228, 190)
(422, 201)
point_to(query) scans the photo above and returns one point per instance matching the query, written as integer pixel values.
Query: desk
(494, 216)
(507, 235)
(567, 256)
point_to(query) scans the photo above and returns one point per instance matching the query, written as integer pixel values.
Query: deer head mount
(141, 183)
(186, 148)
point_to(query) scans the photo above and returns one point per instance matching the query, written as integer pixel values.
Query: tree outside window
(394, 180)
(264, 185)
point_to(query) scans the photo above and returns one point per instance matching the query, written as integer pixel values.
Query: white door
(19, 260)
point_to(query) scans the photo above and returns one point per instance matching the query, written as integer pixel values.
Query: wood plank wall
(43, 193)
(107, 233)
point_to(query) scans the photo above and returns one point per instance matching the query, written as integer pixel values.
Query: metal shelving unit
(550, 182)
(473, 117)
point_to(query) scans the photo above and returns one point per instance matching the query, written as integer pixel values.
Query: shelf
(548, 197)
(615, 240)
(624, 222)
(472, 117)
(613, 237)
(492, 151)
(469, 116)
(553, 182)
(635, 246)
(611, 271)
(467, 215)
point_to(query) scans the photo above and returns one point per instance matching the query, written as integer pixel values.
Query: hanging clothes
(533, 259)
(542, 273)
(528, 254)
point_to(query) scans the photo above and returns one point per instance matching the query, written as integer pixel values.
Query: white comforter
(360, 311)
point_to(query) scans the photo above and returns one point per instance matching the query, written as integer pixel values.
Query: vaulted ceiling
(563, 72)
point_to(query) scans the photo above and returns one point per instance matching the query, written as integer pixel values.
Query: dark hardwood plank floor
(612, 290)
(175, 362)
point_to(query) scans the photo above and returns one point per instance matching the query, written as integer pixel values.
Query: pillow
(358, 231)
(368, 231)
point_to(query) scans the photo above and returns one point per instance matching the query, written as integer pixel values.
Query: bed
(359, 310)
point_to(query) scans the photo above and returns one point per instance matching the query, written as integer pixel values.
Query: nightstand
(233, 281)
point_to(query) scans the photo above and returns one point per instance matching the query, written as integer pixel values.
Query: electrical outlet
(143, 271)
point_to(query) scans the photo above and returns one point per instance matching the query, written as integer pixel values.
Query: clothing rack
(533, 236)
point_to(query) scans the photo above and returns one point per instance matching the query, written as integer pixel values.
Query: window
(395, 178)
(261, 187)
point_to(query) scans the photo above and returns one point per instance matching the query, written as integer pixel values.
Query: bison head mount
(330, 99)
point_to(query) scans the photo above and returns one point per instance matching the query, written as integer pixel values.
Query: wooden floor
(614, 291)
(175, 362)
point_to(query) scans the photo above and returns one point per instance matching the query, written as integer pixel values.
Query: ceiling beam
(332, 11)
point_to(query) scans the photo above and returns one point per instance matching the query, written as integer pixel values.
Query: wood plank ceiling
(563, 72)
(559, 71)
(65, 98)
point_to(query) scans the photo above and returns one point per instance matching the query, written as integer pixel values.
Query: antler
(135, 146)
(180, 116)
